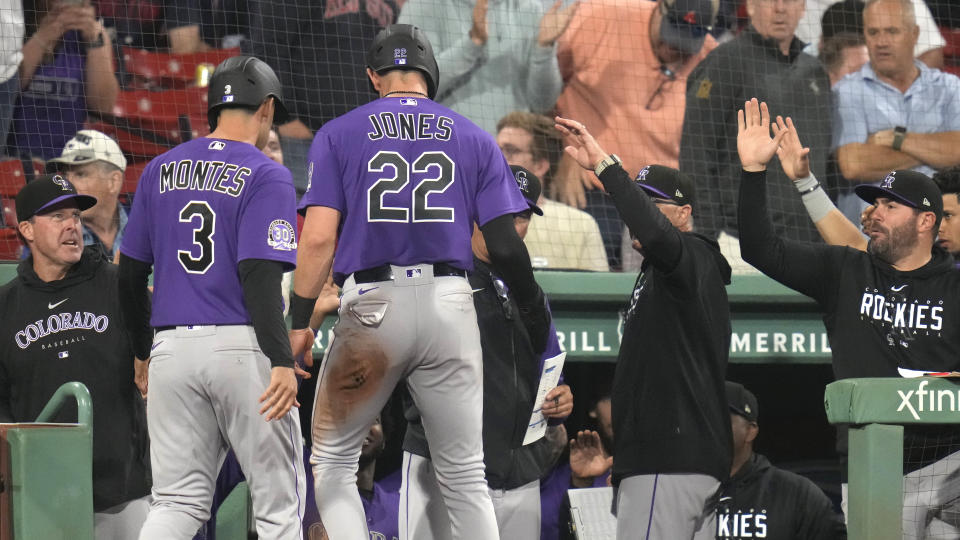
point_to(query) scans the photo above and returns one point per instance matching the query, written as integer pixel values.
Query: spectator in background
(563, 237)
(318, 50)
(765, 60)
(95, 165)
(762, 501)
(928, 49)
(62, 318)
(625, 66)
(501, 58)
(157, 24)
(843, 54)
(895, 113)
(67, 71)
(11, 53)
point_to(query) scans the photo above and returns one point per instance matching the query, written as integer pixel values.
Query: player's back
(199, 210)
(410, 178)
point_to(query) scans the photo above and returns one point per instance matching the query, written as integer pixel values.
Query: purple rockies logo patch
(62, 182)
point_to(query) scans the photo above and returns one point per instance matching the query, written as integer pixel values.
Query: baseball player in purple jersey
(215, 219)
(405, 179)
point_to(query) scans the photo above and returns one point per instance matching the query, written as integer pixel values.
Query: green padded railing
(51, 470)
(877, 410)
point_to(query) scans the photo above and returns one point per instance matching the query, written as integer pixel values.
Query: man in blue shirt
(895, 113)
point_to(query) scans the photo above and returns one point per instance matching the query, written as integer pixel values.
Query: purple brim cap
(84, 202)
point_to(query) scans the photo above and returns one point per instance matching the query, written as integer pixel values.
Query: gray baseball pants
(423, 329)
(423, 515)
(205, 383)
(667, 507)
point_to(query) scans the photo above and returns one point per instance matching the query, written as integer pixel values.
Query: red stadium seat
(12, 177)
(9, 212)
(951, 51)
(9, 245)
(172, 70)
(132, 176)
(160, 111)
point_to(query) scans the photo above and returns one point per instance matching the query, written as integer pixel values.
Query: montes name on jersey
(218, 176)
(410, 126)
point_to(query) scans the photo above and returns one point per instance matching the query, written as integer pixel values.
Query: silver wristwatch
(610, 160)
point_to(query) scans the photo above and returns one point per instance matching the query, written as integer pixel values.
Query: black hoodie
(669, 400)
(70, 330)
(762, 501)
(877, 318)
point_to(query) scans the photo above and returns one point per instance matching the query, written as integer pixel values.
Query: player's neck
(405, 93)
(104, 222)
(48, 270)
(236, 129)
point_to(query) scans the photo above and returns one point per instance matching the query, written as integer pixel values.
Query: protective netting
(655, 82)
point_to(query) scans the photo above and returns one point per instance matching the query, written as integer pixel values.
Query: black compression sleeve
(261, 293)
(133, 276)
(509, 256)
(660, 239)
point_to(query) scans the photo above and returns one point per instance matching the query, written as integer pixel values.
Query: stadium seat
(9, 244)
(161, 111)
(12, 177)
(9, 212)
(132, 176)
(171, 70)
(951, 51)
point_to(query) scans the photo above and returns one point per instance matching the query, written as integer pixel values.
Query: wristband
(806, 184)
(301, 309)
(612, 159)
(899, 134)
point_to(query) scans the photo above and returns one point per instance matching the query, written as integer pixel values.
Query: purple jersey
(410, 178)
(193, 206)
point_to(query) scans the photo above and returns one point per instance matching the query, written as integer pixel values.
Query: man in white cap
(94, 164)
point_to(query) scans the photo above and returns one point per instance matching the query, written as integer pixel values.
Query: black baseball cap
(911, 188)
(742, 401)
(686, 23)
(46, 191)
(529, 185)
(666, 183)
(844, 17)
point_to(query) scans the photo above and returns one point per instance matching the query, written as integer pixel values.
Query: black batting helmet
(246, 81)
(404, 46)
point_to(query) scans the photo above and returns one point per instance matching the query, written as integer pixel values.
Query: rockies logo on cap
(62, 182)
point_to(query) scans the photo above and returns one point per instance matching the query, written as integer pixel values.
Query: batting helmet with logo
(404, 46)
(244, 81)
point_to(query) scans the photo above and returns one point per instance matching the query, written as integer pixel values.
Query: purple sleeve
(136, 236)
(267, 228)
(324, 185)
(497, 193)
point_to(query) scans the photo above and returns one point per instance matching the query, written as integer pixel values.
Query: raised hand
(587, 458)
(555, 22)
(794, 158)
(754, 144)
(585, 149)
(478, 32)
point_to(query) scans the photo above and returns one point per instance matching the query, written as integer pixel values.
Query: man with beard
(893, 306)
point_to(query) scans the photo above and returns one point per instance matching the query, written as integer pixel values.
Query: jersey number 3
(202, 237)
(422, 211)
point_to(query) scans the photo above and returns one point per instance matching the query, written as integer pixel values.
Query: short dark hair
(948, 180)
(546, 139)
(831, 49)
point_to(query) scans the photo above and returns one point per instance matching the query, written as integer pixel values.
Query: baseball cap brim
(870, 193)
(654, 192)
(75, 158)
(687, 38)
(536, 209)
(84, 202)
